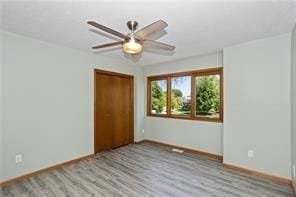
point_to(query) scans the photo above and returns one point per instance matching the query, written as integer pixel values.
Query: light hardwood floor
(146, 170)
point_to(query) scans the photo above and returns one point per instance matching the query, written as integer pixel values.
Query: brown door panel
(113, 110)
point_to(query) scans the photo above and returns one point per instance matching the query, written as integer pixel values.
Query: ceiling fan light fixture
(132, 46)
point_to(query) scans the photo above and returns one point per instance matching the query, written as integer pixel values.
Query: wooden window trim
(192, 74)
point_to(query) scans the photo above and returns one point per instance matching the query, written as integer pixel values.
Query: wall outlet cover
(18, 158)
(294, 171)
(250, 153)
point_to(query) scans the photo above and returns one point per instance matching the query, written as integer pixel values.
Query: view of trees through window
(158, 97)
(207, 96)
(170, 95)
(181, 95)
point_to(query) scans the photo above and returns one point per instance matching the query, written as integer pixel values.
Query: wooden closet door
(113, 110)
(122, 111)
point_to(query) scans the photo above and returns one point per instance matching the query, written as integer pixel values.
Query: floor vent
(177, 150)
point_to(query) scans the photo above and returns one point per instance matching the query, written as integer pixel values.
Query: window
(207, 96)
(181, 95)
(195, 95)
(159, 97)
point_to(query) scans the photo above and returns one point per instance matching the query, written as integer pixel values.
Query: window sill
(186, 118)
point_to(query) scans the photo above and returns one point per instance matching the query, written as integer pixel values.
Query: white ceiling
(194, 27)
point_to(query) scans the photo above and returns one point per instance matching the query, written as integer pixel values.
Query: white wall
(198, 135)
(293, 102)
(47, 103)
(257, 105)
(140, 83)
(1, 149)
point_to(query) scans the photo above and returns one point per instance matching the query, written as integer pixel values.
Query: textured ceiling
(194, 27)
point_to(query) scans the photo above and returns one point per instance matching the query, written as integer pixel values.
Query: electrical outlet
(250, 153)
(18, 158)
(294, 170)
(143, 130)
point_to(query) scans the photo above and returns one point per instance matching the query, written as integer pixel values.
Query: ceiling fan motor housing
(132, 25)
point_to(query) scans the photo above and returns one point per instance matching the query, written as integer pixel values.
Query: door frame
(98, 71)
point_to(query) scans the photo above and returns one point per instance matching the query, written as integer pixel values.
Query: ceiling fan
(134, 42)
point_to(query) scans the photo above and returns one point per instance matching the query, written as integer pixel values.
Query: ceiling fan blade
(151, 29)
(108, 45)
(107, 29)
(158, 45)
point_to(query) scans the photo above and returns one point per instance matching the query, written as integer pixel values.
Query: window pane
(159, 97)
(207, 96)
(181, 95)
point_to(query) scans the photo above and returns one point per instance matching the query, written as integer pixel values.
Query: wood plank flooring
(146, 170)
